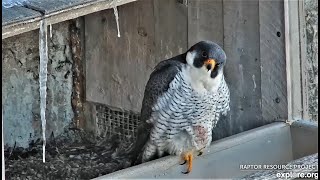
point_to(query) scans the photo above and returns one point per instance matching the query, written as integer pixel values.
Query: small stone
(32, 171)
(78, 157)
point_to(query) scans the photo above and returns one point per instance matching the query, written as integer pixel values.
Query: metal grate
(117, 122)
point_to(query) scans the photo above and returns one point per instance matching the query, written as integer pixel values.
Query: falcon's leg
(200, 153)
(188, 157)
(160, 153)
(191, 133)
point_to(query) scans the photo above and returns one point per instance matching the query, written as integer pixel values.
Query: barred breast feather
(175, 118)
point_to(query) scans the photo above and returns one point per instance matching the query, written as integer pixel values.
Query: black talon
(187, 172)
(184, 163)
(200, 153)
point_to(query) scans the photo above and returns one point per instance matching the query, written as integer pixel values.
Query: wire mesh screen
(117, 122)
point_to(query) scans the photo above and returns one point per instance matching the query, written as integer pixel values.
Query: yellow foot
(188, 158)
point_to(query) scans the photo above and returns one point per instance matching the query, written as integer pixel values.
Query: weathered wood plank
(60, 16)
(17, 14)
(49, 6)
(205, 21)
(77, 47)
(293, 66)
(117, 69)
(171, 28)
(241, 44)
(273, 63)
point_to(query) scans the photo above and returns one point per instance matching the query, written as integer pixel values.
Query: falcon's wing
(224, 99)
(223, 103)
(157, 84)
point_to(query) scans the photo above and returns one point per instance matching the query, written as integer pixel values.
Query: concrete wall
(20, 86)
(311, 8)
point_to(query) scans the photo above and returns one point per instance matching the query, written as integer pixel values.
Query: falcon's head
(207, 57)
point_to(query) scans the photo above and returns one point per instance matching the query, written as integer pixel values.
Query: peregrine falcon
(182, 103)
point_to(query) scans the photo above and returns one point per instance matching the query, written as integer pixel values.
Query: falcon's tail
(137, 148)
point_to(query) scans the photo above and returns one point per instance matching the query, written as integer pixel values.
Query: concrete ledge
(270, 144)
(231, 152)
(304, 134)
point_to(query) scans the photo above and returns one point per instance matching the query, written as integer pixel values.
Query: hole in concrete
(278, 33)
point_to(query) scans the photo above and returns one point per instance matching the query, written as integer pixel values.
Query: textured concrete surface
(20, 86)
(311, 8)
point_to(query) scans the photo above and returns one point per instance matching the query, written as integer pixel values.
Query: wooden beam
(288, 62)
(295, 57)
(272, 58)
(170, 39)
(113, 74)
(205, 21)
(77, 46)
(243, 72)
(60, 16)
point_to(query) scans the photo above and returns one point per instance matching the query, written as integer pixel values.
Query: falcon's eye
(204, 54)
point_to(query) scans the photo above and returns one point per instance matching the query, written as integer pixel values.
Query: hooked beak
(210, 64)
